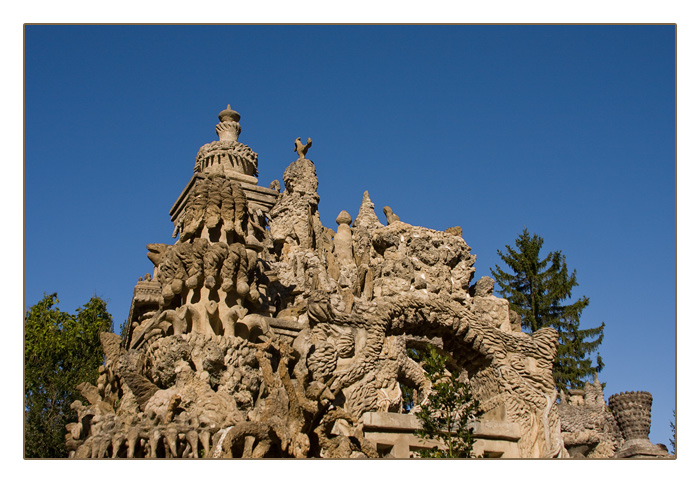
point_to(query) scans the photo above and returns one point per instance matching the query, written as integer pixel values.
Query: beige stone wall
(393, 435)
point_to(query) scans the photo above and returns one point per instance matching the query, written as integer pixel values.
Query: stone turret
(231, 169)
(227, 155)
(632, 411)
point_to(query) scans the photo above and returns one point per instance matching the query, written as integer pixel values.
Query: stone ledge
(640, 448)
(394, 422)
(288, 324)
(408, 423)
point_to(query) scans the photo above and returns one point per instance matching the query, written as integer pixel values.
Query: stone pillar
(632, 410)
(343, 239)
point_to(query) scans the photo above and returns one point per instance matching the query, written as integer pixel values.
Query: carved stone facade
(588, 427)
(264, 333)
(592, 429)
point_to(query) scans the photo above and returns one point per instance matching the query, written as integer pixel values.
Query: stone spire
(367, 217)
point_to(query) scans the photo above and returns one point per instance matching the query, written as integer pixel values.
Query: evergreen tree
(448, 413)
(60, 351)
(537, 290)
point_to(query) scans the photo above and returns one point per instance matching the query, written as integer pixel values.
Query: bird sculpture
(302, 149)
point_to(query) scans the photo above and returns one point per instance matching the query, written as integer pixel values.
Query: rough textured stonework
(632, 411)
(588, 427)
(592, 429)
(264, 333)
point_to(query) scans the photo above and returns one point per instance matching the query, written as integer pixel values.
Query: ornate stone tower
(220, 218)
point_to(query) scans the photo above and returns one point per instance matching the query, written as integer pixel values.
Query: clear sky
(566, 130)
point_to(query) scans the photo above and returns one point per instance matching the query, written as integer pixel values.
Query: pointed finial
(366, 216)
(229, 114)
(343, 218)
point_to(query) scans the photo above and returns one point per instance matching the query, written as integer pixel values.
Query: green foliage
(536, 290)
(448, 411)
(60, 351)
(407, 401)
(408, 393)
(124, 329)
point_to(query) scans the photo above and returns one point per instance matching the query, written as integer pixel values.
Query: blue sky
(566, 130)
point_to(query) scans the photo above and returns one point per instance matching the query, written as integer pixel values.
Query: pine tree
(537, 290)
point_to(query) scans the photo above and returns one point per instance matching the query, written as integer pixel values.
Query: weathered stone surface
(484, 287)
(393, 434)
(493, 311)
(588, 427)
(592, 429)
(342, 242)
(391, 217)
(455, 230)
(366, 217)
(265, 334)
(632, 411)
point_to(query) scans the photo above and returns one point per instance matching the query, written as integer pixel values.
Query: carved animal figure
(302, 149)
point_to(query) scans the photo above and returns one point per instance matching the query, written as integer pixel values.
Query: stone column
(343, 240)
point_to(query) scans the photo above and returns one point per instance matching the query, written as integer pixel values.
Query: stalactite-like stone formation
(263, 333)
